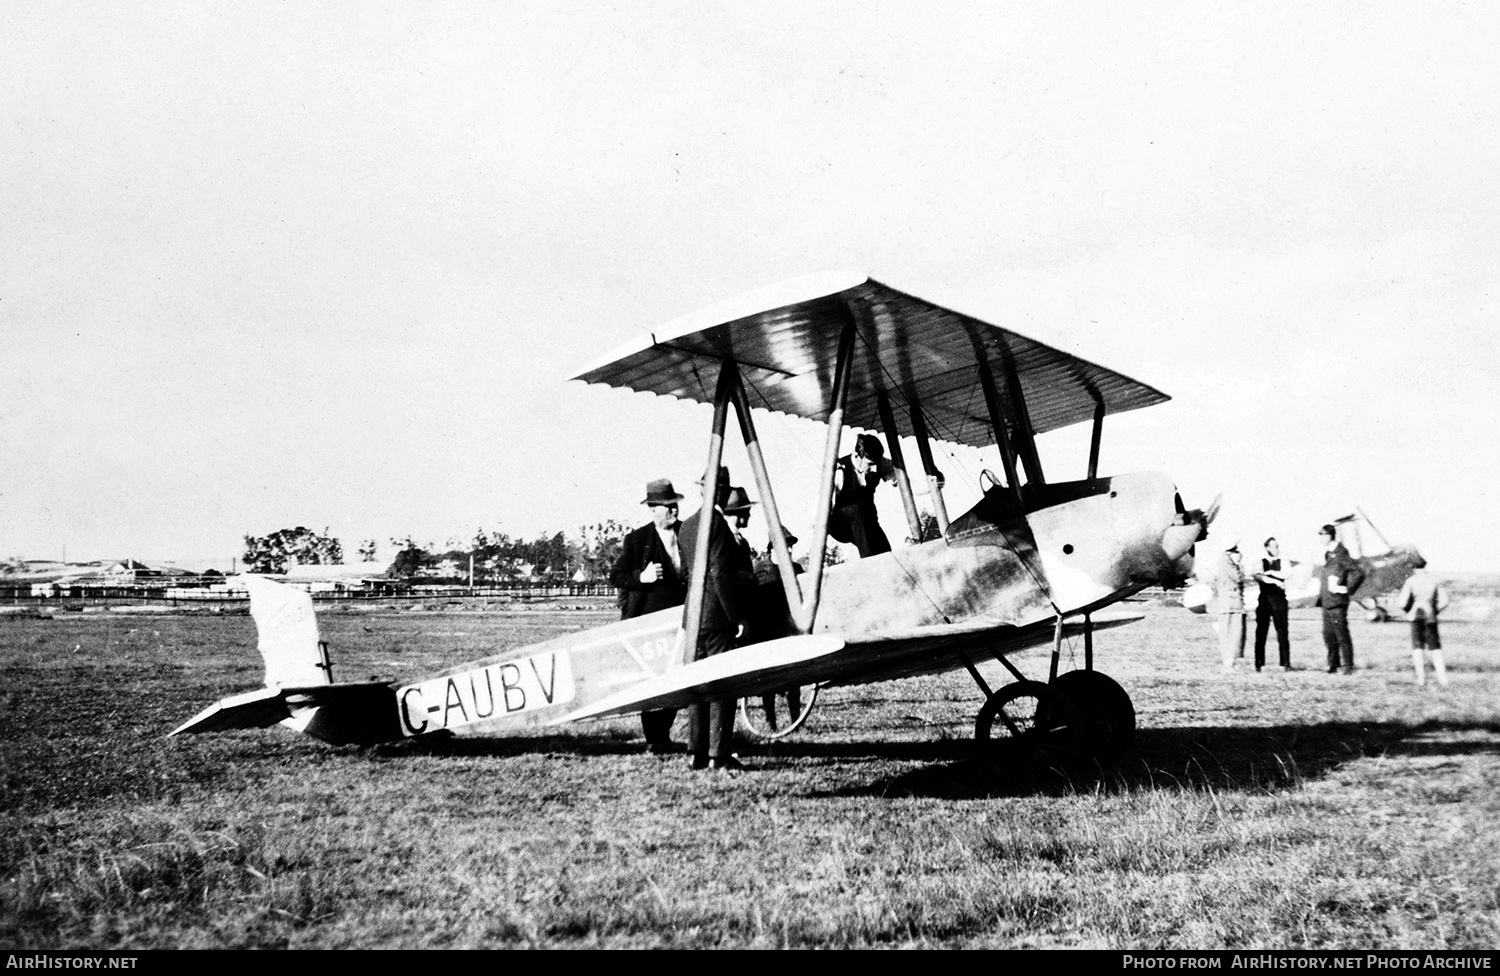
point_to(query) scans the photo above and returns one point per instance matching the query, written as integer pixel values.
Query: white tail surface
(288, 631)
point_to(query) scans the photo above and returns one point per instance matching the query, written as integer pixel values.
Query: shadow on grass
(501, 747)
(1267, 758)
(1189, 758)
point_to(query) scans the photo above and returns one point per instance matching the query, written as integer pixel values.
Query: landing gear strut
(1078, 719)
(1030, 723)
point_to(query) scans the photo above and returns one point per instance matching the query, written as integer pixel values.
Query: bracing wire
(943, 427)
(944, 431)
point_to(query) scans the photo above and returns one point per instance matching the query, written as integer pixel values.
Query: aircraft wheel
(1379, 615)
(1030, 723)
(1107, 715)
(777, 716)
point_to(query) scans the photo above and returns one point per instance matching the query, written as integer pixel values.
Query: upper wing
(785, 341)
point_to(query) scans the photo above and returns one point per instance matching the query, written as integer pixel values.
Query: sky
(330, 264)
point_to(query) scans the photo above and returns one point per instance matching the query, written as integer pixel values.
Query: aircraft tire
(767, 718)
(1107, 715)
(1028, 722)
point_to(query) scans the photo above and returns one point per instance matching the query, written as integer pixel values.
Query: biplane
(1385, 570)
(1033, 563)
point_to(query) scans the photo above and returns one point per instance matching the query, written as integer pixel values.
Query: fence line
(178, 596)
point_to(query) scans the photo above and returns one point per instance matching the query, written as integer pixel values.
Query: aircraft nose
(1177, 541)
(1188, 528)
(1171, 559)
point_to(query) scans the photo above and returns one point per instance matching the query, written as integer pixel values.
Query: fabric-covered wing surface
(835, 659)
(785, 341)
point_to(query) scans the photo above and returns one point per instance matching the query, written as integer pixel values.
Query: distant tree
(410, 560)
(497, 555)
(458, 558)
(550, 554)
(494, 555)
(272, 553)
(599, 545)
(367, 551)
(832, 555)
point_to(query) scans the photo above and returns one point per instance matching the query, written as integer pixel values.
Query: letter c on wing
(406, 712)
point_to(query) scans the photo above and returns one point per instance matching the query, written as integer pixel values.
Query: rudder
(287, 628)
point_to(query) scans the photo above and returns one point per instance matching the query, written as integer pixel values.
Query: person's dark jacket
(642, 547)
(726, 594)
(1341, 568)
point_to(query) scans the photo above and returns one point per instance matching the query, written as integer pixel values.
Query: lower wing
(830, 659)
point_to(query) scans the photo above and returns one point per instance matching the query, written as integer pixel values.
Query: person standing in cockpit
(854, 518)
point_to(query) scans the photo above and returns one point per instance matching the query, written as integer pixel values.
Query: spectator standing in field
(649, 575)
(1422, 598)
(1270, 607)
(1228, 606)
(1338, 578)
(723, 623)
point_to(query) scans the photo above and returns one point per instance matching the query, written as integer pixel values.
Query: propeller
(1204, 517)
(1189, 527)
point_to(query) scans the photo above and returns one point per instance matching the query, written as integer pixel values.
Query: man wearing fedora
(737, 515)
(725, 614)
(650, 576)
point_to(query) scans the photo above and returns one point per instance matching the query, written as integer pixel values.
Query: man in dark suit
(724, 621)
(650, 576)
(737, 517)
(1270, 607)
(1339, 577)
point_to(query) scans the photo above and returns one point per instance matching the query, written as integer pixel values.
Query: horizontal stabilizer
(264, 707)
(257, 709)
(746, 670)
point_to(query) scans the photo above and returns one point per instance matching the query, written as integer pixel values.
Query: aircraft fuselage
(1082, 545)
(1087, 545)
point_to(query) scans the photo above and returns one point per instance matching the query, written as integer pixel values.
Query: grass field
(1299, 810)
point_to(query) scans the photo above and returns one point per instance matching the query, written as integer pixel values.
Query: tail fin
(295, 656)
(299, 691)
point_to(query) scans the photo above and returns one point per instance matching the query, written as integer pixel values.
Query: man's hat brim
(737, 501)
(661, 492)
